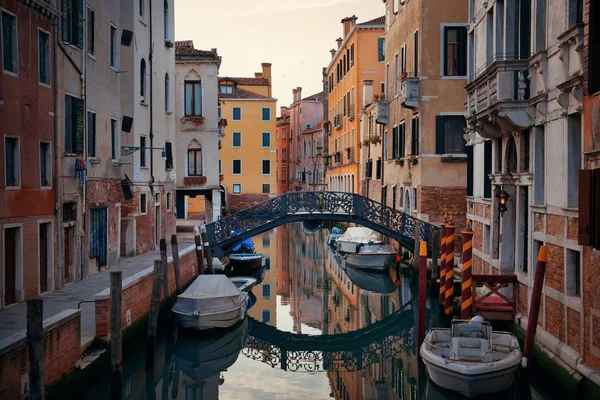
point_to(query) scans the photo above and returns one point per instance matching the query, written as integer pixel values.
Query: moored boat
(243, 283)
(372, 256)
(354, 237)
(370, 280)
(211, 301)
(252, 260)
(470, 358)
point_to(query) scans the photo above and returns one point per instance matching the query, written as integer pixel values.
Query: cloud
(264, 6)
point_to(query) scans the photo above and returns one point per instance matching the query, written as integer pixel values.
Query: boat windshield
(376, 248)
(471, 329)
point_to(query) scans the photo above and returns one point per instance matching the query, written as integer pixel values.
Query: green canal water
(316, 330)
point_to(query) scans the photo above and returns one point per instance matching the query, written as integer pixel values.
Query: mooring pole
(153, 316)
(116, 346)
(435, 252)
(165, 270)
(207, 254)
(466, 272)
(175, 251)
(422, 290)
(536, 297)
(35, 345)
(449, 295)
(199, 256)
(416, 247)
(443, 263)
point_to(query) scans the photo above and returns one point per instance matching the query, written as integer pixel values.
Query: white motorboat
(372, 281)
(243, 283)
(211, 301)
(351, 240)
(254, 260)
(470, 358)
(332, 238)
(372, 256)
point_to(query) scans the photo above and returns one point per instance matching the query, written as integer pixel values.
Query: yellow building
(359, 58)
(265, 309)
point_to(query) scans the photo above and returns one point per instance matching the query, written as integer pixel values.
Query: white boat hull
(202, 322)
(350, 246)
(376, 261)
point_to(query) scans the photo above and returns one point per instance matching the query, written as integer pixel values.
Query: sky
(295, 36)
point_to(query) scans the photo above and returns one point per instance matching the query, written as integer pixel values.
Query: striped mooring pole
(443, 261)
(466, 309)
(536, 298)
(449, 295)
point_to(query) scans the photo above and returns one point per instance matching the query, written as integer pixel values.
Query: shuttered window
(378, 170)
(455, 51)
(414, 147)
(594, 47)
(449, 134)
(91, 134)
(381, 49)
(402, 139)
(169, 155)
(73, 125)
(72, 22)
(487, 169)
(469, 150)
(589, 208)
(395, 152)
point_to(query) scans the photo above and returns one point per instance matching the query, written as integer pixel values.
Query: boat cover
(210, 294)
(358, 232)
(336, 230)
(246, 246)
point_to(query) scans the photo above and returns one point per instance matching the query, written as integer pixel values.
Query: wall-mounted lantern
(502, 199)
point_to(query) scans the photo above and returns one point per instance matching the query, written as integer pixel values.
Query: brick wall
(522, 306)
(591, 306)
(137, 292)
(555, 318)
(555, 277)
(239, 202)
(62, 350)
(434, 201)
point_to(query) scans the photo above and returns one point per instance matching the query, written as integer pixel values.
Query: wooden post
(443, 263)
(153, 316)
(198, 241)
(435, 253)
(116, 346)
(165, 269)
(536, 298)
(175, 250)
(35, 344)
(207, 254)
(466, 305)
(449, 295)
(422, 290)
(416, 248)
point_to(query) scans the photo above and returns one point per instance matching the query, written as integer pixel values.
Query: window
(73, 125)
(402, 139)
(219, 113)
(193, 98)
(574, 151)
(594, 47)
(237, 167)
(403, 59)
(266, 242)
(114, 139)
(381, 49)
(573, 273)
(220, 166)
(44, 57)
(470, 170)
(266, 167)
(237, 114)
(576, 12)
(141, 6)
(45, 166)
(143, 203)
(143, 80)
(395, 140)
(143, 151)
(91, 134)
(113, 46)
(72, 22)
(387, 81)
(166, 19)
(414, 198)
(226, 88)
(414, 148)
(266, 316)
(91, 31)
(237, 139)
(266, 291)
(266, 114)
(352, 54)
(169, 200)
(169, 153)
(266, 188)
(539, 169)
(449, 134)
(396, 75)
(267, 263)
(589, 208)
(237, 188)
(266, 139)
(283, 175)
(195, 160)
(12, 161)
(10, 54)
(167, 105)
(455, 51)
(416, 53)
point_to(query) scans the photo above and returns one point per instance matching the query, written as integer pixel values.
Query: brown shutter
(585, 197)
(595, 209)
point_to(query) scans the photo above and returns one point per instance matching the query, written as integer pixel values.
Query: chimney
(299, 89)
(295, 95)
(332, 51)
(284, 111)
(213, 50)
(266, 73)
(258, 75)
(339, 42)
(367, 92)
(349, 23)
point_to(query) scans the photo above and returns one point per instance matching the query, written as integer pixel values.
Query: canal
(316, 330)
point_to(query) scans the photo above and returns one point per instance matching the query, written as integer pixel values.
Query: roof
(374, 21)
(185, 48)
(248, 81)
(239, 93)
(315, 96)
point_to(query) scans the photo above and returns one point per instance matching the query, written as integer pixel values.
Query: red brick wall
(435, 201)
(136, 297)
(555, 225)
(555, 277)
(62, 350)
(555, 318)
(573, 329)
(523, 292)
(591, 283)
(239, 202)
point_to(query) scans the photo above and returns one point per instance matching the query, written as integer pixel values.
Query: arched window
(167, 106)
(143, 79)
(166, 19)
(511, 156)
(195, 159)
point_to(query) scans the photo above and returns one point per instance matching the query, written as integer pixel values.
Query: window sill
(169, 43)
(69, 154)
(168, 112)
(46, 85)
(452, 77)
(114, 69)
(45, 188)
(92, 56)
(143, 103)
(143, 22)
(10, 73)
(144, 167)
(12, 187)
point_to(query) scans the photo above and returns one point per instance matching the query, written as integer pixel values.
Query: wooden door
(43, 246)
(68, 252)
(10, 265)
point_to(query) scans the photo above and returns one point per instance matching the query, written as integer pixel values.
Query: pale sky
(294, 35)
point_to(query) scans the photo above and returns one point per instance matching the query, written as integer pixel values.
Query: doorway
(157, 224)
(45, 255)
(98, 233)
(11, 260)
(69, 246)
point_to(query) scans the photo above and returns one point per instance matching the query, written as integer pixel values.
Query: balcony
(409, 91)
(338, 158)
(350, 155)
(337, 121)
(350, 111)
(382, 115)
(498, 98)
(194, 181)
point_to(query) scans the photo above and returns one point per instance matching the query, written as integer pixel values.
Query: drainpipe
(151, 133)
(382, 136)
(57, 161)
(85, 154)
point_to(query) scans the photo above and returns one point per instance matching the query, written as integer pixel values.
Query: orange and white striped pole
(449, 295)
(443, 261)
(466, 272)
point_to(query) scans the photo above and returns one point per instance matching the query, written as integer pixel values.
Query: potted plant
(399, 161)
(366, 142)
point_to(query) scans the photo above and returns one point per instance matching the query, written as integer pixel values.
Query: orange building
(359, 57)
(283, 139)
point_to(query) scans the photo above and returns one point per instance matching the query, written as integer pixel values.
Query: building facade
(358, 57)
(198, 129)
(423, 154)
(283, 139)
(524, 113)
(248, 151)
(28, 181)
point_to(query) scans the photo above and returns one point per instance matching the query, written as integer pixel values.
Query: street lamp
(502, 199)
(127, 150)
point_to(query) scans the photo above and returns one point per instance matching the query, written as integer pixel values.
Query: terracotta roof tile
(375, 21)
(314, 96)
(184, 43)
(249, 81)
(240, 93)
(185, 48)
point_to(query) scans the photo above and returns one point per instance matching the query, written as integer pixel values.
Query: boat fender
(524, 362)
(358, 246)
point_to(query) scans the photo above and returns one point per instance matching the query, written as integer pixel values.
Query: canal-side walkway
(14, 318)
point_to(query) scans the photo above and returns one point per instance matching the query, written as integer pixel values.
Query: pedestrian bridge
(316, 206)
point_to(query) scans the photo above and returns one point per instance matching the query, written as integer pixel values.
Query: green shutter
(462, 51)
(381, 49)
(402, 140)
(79, 115)
(68, 125)
(80, 17)
(169, 151)
(439, 134)
(445, 52)
(65, 19)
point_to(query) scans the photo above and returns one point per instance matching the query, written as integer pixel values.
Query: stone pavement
(14, 318)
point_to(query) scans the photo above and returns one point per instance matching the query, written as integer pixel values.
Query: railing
(338, 158)
(409, 90)
(337, 121)
(350, 111)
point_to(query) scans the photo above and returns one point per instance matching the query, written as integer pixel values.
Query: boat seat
(469, 348)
